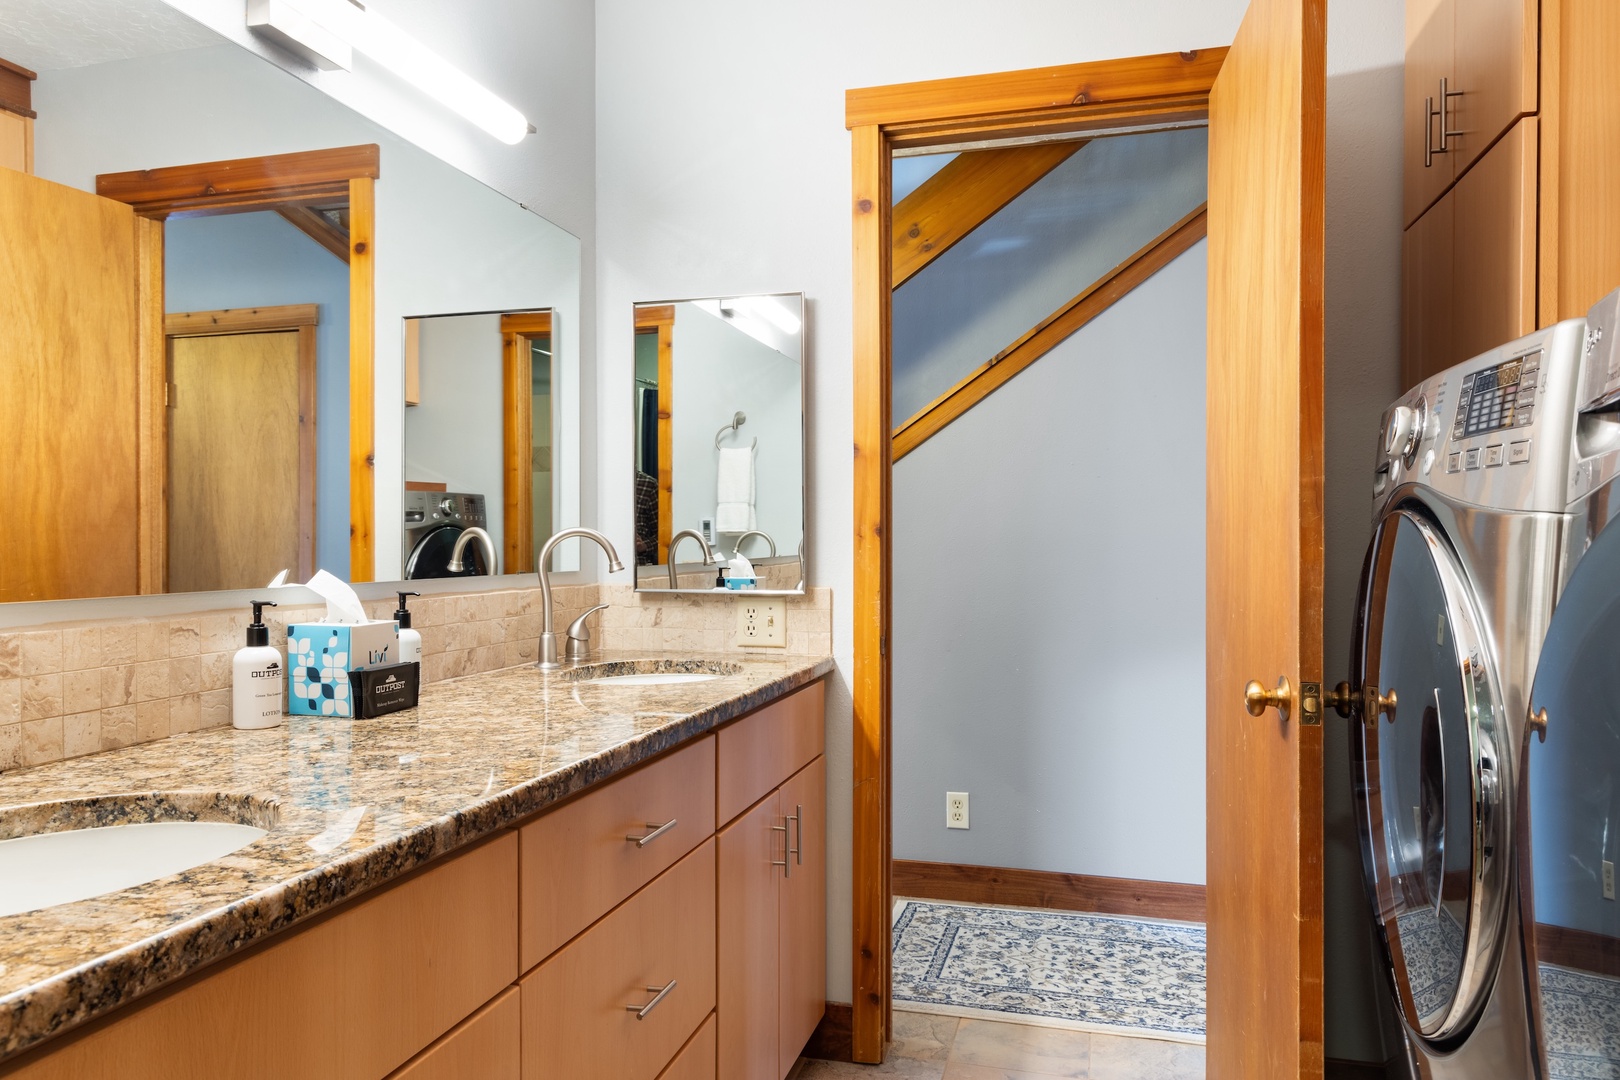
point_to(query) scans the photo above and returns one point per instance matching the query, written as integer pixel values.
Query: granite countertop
(476, 755)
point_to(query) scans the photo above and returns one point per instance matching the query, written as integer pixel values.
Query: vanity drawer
(484, 1045)
(696, 1061)
(764, 748)
(575, 1020)
(576, 863)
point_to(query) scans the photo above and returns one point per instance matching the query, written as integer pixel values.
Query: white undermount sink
(44, 868)
(663, 679)
(651, 672)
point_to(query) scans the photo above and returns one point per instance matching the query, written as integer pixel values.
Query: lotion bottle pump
(256, 677)
(410, 641)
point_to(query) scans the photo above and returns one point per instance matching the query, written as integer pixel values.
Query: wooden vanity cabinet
(524, 956)
(772, 889)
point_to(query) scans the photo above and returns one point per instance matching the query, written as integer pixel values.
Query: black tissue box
(382, 690)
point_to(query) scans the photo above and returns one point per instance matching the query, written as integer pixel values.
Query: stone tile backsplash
(73, 689)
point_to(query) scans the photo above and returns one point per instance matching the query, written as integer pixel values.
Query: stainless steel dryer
(433, 522)
(1571, 828)
(1457, 590)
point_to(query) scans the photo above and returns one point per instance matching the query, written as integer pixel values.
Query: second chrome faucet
(550, 651)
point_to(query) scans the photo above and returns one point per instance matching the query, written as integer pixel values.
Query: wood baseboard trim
(834, 1036)
(1046, 889)
(1578, 949)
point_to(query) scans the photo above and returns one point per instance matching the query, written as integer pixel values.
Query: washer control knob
(1402, 434)
(447, 506)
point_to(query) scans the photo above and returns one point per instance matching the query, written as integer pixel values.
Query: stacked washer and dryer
(1489, 860)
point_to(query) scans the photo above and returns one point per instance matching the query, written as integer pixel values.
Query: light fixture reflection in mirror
(718, 426)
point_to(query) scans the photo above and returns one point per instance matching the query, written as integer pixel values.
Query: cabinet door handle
(657, 831)
(641, 1011)
(787, 849)
(798, 828)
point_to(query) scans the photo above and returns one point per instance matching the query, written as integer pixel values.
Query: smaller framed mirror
(719, 443)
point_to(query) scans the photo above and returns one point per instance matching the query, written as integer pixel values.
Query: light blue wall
(1048, 649)
(258, 260)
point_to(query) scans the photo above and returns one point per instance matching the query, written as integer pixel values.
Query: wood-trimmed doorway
(290, 184)
(1264, 221)
(519, 331)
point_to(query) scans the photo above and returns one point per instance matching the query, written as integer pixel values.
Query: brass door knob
(1341, 699)
(1379, 704)
(1538, 723)
(1257, 699)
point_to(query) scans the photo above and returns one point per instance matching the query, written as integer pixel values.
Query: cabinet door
(1496, 57)
(1493, 261)
(1426, 288)
(1430, 55)
(748, 883)
(802, 925)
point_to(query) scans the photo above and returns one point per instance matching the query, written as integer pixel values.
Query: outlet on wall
(762, 621)
(1608, 880)
(956, 809)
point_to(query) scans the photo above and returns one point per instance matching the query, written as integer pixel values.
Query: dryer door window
(1571, 915)
(1429, 784)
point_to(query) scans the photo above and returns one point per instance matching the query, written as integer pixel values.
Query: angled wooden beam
(1093, 301)
(963, 195)
(1104, 82)
(319, 228)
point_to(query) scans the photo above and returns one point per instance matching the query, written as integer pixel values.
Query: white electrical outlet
(1608, 880)
(956, 809)
(762, 621)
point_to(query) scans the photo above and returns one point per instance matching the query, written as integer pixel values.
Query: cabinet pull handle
(657, 831)
(641, 1011)
(1430, 115)
(798, 828)
(787, 849)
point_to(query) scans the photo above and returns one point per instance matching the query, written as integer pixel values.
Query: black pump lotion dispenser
(256, 676)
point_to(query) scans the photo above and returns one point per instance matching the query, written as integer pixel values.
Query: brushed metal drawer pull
(641, 1011)
(787, 849)
(798, 826)
(657, 831)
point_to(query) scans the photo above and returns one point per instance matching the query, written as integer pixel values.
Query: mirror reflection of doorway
(241, 454)
(655, 432)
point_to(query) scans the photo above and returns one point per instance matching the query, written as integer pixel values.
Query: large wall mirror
(719, 441)
(247, 329)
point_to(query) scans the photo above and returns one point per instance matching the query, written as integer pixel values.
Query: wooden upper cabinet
(1430, 57)
(1487, 53)
(1497, 48)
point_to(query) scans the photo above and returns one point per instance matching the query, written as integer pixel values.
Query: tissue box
(321, 655)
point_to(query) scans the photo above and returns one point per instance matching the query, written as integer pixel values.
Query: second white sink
(52, 868)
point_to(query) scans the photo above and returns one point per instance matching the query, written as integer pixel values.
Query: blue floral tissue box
(321, 655)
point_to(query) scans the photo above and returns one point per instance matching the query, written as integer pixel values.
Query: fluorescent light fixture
(296, 32)
(313, 25)
(763, 307)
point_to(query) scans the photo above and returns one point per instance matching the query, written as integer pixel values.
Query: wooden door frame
(245, 185)
(660, 319)
(517, 434)
(1035, 103)
(297, 318)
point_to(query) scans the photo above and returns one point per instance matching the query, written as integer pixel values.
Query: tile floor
(929, 1047)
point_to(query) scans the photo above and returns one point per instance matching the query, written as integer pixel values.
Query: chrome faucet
(548, 634)
(674, 542)
(455, 566)
(737, 547)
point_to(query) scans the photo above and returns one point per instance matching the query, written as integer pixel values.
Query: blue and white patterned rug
(1580, 1013)
(1056, 968)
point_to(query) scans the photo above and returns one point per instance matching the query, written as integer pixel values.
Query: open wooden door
(1264, 591)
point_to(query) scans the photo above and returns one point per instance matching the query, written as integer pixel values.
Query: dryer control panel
(1495, 431)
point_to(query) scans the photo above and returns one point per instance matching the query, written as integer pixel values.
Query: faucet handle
(579, 638)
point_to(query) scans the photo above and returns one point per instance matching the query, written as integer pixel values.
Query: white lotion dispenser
(410, 641)
(256, 677)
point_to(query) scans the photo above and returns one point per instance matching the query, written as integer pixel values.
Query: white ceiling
(48, 35)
